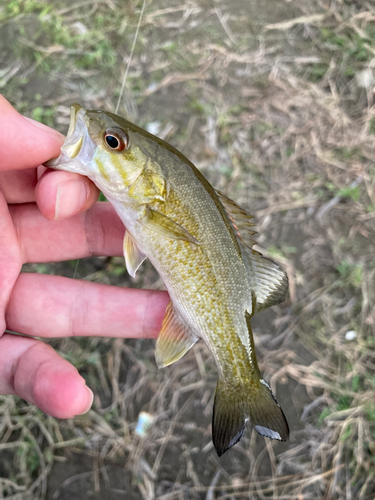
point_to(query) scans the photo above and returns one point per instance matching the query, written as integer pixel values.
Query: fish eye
(116, 139)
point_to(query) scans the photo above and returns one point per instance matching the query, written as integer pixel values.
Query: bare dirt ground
(274, 103)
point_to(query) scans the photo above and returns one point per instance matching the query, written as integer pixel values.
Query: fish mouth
(74, 139)
(77, 144)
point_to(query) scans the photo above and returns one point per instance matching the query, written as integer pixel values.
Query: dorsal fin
(269, 281)
(240, 218)
(175, 338)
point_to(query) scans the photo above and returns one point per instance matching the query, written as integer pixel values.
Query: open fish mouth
(78, 147)
(74, 139)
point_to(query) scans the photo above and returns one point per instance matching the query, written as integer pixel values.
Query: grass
(280, 120)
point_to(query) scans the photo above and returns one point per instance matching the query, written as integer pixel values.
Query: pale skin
(48, 216)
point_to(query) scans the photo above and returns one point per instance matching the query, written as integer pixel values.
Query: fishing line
(76, 269)
(131, 56)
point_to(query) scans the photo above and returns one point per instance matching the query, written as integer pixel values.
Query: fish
(201, 243)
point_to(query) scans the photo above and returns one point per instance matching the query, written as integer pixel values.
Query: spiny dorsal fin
(175, 338)
(240, 218)
(133, 255)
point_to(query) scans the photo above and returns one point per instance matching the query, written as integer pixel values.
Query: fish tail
(234, 406)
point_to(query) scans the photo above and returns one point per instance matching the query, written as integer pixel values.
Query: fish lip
(76, 132)
(73, 141)
(74, 110)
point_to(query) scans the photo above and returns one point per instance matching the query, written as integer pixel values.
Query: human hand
(49, 219)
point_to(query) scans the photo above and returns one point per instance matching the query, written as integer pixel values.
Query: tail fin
(232, 409)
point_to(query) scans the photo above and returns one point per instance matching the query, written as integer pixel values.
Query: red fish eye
(116, 139)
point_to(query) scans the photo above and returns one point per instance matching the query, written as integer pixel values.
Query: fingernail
(91, 396)
(70, 198)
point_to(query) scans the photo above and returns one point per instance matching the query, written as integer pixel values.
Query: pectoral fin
(163, 225)
(133, 255)
(149, 186)
(175, 338)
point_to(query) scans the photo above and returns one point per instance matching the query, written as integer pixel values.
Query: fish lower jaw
(64, 162)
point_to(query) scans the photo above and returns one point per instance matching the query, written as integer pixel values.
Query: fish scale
(200, 242)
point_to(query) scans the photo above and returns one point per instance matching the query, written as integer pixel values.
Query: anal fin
(175, 338)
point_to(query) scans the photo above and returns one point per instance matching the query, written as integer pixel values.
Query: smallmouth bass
(200, 242)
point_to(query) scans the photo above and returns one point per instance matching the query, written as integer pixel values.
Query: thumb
(25, 143)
